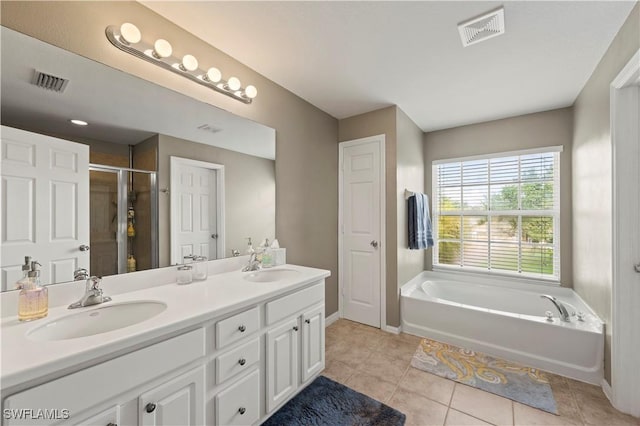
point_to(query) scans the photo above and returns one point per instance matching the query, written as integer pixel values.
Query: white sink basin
(97, 320)
(268, 276)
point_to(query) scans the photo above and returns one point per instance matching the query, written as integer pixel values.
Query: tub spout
(564, 314)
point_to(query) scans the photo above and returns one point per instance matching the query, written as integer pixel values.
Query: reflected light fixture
(78, 122)
(128, 38)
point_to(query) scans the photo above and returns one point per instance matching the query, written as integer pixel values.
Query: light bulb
(189, 63)
(250, 92)
(233, 83)
(213, 75)
(129, 33)
(162, 49)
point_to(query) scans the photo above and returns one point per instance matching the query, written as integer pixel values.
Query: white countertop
(24, 360)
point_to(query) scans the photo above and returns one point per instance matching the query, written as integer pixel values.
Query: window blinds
(499, 213)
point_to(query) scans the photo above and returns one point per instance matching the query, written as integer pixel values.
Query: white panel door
(361, 231)
(312, 342)
(45, 205)
(177, 402)
(196, 220)
(282, 363)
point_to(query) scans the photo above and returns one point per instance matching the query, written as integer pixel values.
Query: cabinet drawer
(289, 305)
(79, 391)
(237, 360)
(236, 327)
(240, 404)
(109, 416)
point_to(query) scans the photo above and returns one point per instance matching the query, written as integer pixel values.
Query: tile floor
(377, 364)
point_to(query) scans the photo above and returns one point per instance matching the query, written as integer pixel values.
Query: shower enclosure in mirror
(123, 217)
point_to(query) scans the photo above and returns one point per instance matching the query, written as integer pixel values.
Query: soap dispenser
(267, 255)
(250, 249)
(33, 299)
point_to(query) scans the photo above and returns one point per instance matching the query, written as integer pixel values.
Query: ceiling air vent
(209, 128)
(49, 82)
(482, 27)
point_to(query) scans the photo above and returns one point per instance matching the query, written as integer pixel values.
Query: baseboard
(391, 329)
(332, 318)
(606, 388)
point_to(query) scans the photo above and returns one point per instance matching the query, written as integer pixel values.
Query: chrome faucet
(564, 314)
(92, 294)
(254, 263)
(80, 274)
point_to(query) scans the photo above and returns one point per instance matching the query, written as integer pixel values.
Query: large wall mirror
(153, 177)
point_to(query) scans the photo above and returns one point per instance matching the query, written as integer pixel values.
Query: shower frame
(121, 233)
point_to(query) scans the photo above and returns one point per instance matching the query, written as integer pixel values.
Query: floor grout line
(384, 339)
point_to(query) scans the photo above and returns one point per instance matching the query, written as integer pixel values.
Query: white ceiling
(120, 108)
(349, 58)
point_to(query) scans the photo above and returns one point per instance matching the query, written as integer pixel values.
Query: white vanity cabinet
(108, 417)
(231, 369)
(295, 344)
(283, 356)
(177, 402)
(312, 342)
(98, 393)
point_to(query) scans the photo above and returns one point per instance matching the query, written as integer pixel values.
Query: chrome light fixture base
(146, 51)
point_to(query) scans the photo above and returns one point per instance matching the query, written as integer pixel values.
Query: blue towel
(420, 231)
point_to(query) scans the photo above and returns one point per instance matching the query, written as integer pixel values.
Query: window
(499, 213)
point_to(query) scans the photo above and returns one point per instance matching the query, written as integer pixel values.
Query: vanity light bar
(128, 38)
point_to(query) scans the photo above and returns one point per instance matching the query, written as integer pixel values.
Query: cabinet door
(312, 342)
(282, 363)
(177, 402)
(239, 404)
(109, 417)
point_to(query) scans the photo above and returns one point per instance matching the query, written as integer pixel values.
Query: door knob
(242, 410)
(308, 321)
(84, 247)
(150, 407)
(374, 243)
(637, 267)
(242, 361)
(242, 328)
(214, 236)
(295, 328)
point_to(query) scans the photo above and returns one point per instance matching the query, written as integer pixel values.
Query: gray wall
(306, 152)
(250, 193)
(592, 177)
(409, 175)
(541, 129)
(382, 121)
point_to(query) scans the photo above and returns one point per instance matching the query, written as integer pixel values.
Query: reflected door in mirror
(195, 219)
(45, 205)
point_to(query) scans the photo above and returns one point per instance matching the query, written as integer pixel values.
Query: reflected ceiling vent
(210, 129)
(49, 82)
(482, 28)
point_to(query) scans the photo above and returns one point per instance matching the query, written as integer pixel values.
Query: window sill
(553, 282)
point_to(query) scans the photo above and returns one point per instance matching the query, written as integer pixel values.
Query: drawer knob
(242, 410)
(242, 329)
(150, 407)
(112, 424)
(242, 361)
(295, 328)
(308, 321)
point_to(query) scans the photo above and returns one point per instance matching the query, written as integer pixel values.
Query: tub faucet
(92, 294)
(564, 314)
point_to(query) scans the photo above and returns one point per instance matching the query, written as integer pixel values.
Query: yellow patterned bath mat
(526, 385)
